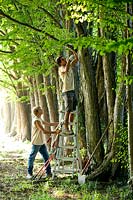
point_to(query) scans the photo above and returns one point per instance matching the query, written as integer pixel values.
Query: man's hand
(57, 131)
(69, 46)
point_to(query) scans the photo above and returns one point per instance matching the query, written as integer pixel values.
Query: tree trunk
(43, 104)
(23, 112)
(130, 116)
(119, 114)
(92, 121)
(102, 101)
(109, 81)
(36, 98)
(6, 116)
(23, 121)
(53, 110)
(130, 98)
(88, 87)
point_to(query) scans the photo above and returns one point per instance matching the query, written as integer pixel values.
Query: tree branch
(27, 25)
(5, 51)
(2, 32)
(51, 16)
(10, 77)
(9, 74)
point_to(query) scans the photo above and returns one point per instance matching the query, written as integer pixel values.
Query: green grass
(14, 186)
(17, 188)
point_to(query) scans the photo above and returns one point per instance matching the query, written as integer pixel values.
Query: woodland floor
(14, 186)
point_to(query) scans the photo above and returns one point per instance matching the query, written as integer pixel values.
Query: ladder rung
(71, 159)
(64, 134)
(72, 123)
(65, 170)
(67, 147)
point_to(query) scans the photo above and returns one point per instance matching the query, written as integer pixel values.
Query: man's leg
(34, 151)
(66, 119)
(71, 118)
(43, 151)
(67, 112)
(73, 105)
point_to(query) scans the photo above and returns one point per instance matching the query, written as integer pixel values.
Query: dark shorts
(70, 101)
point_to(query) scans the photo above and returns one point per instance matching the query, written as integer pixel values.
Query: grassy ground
(14, 186)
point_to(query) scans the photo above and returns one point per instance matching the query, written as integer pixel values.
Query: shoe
(29, 176)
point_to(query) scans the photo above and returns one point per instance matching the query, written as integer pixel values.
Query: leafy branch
(2, 51)
(2, 32)
(27, 25)
(11, 76)
(51, 16)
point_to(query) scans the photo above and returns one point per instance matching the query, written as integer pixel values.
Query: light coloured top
(38, 137)
(67, 79)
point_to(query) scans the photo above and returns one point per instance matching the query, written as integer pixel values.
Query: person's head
(37, 111)
(61, 61)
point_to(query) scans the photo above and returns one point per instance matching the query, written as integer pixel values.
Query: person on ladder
(68, 90)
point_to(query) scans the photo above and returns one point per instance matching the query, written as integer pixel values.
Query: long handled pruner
(81, 175)
(88, 162)
(42, 170)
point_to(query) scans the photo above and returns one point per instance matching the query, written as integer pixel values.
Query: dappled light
(8, 143)
(57, 57)
(3, 120)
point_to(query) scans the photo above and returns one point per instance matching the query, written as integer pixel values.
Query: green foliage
(40, 195)
(121, 143)
(34, 35)
(83, 152)
(122, 193)
(28, 49)
(17, 188)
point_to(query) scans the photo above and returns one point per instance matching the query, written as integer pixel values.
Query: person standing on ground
(68, 90)
(38, 140)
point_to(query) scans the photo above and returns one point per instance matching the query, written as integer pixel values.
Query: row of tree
(34, 33)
